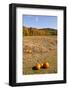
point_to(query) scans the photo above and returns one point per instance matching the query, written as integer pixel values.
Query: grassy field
(43, 48)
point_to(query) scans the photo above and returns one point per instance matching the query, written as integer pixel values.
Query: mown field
(42, 49)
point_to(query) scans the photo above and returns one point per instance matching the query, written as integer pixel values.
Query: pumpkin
(29, 51)
(41, 65)
(38, 66)
(46, 65)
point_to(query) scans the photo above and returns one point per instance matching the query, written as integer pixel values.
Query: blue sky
(37, 21)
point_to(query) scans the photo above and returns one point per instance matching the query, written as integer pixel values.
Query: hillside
(38, 32)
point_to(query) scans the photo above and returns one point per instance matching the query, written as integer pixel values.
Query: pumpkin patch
(41, 66)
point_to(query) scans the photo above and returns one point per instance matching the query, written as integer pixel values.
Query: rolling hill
(29, 31)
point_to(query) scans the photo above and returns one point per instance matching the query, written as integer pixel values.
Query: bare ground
(43, 49)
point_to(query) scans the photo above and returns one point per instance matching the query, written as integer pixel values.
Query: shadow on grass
(34, 68)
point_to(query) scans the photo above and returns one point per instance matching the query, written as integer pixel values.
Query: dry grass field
(39, 49)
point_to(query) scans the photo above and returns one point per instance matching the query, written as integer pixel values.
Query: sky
(38, 21)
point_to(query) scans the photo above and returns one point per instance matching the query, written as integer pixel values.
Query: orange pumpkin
(30, 51)
(41, 65)
(38, 66)
(46, 65)
(27, 50)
